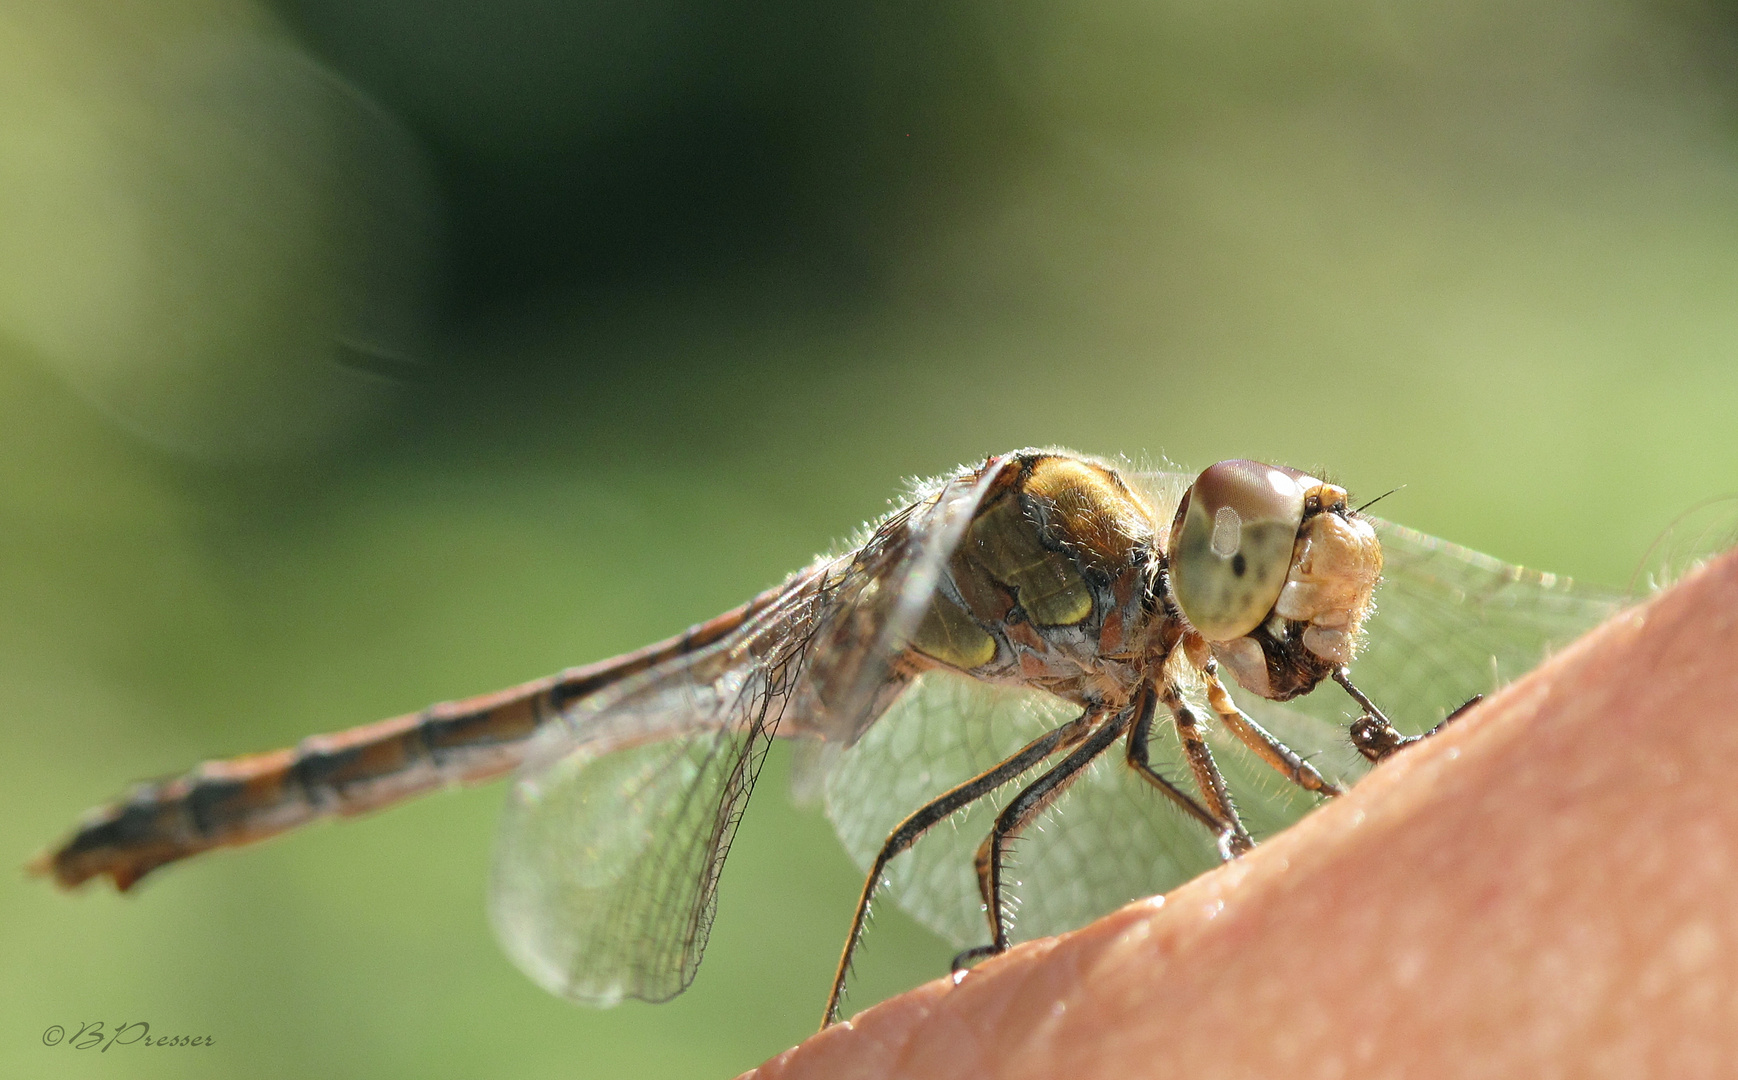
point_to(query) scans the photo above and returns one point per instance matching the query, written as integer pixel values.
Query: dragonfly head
(1275, 571)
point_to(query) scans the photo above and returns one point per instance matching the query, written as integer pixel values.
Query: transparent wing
(618, 823)
(616, 826)
(1110, 839)
(1450, 623)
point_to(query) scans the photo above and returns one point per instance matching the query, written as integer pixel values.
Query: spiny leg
(1141, 763)
(1281, 757)
(1028, 804)
(1208, 778)
(936, 811)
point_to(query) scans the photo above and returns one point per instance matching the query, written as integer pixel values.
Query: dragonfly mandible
(958, 676)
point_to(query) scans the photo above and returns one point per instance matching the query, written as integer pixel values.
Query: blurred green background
(354, 357)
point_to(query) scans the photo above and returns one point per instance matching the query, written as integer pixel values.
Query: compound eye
(1231, 545)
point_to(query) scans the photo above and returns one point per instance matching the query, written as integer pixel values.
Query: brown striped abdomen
(244, 799)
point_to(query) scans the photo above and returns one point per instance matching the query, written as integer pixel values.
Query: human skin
(1548, 887)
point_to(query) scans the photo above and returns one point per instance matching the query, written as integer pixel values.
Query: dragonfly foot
(965, 960)
(1234, 842)
(1377, 739)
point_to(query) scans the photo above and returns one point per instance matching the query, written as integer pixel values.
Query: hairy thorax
(1052, 585)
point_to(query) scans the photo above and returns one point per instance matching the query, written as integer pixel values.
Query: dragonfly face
(976, 653)
(1276, 572)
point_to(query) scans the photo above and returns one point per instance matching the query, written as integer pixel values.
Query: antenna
(1377, 499)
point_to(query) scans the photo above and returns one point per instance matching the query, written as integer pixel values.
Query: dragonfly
(954, 681)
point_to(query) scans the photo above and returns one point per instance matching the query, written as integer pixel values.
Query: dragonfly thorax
(1053, 584)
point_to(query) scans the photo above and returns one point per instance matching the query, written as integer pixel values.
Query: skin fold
(1548, 887)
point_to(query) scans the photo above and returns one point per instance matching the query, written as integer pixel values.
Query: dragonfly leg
(1372, 733)
(1377, 739)
(1032, 800)
(933, 813)
(1236, 840)
(1281, 757)
(1140, 762)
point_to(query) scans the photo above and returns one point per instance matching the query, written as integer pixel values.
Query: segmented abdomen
(244, 799)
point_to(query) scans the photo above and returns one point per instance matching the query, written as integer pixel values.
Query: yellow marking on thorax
(951, 636)
(1103, 524)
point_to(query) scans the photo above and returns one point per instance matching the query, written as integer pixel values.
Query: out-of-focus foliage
(354, 356)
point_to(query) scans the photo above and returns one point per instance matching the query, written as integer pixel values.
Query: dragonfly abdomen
(244, 799)
(249, 798)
